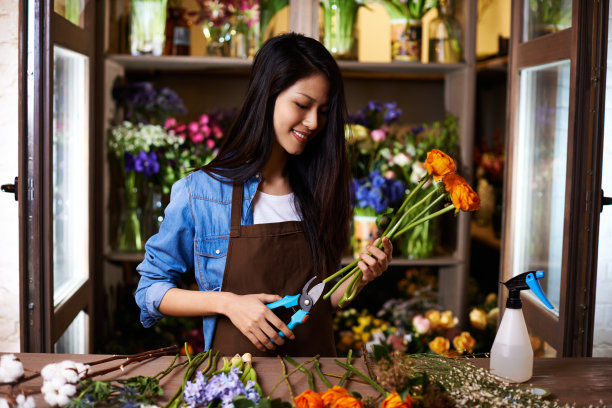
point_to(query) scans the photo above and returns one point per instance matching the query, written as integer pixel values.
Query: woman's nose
(312, 119)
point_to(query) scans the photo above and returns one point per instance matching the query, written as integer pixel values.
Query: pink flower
(197, 137)
(170, 123)
(421, 324)
(180, 128)
(194, 127)
(378, 135)
(217, 132)
(389, 174)
(204, 119)
(210, 143)
(206, 130)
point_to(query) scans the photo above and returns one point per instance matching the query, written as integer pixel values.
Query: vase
(218, 39)
(153, 213)
(147, 27)
(444, 36)
(130, 233)
(365, 230)
(419, 242)
(408, 47)
(339, 18)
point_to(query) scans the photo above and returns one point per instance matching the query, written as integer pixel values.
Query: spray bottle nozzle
(524, 281)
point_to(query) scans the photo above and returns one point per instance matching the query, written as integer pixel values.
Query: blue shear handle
(287, 302)
(297, 318)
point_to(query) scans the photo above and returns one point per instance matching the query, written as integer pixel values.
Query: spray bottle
(511, 354)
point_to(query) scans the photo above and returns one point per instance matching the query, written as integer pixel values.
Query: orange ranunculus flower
(332, 395)
(439, 345)
(348, 401)
(439, 164)
(463, 196)
(478, 318)
(393, 400)
(464, 343)
(309, 399)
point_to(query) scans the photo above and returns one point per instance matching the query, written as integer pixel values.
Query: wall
(602, 337)
(493, 20)
(9, 242)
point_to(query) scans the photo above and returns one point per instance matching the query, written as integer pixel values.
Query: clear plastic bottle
(444, 35)
(511, 354)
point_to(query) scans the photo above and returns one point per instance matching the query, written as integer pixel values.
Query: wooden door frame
(571, 334)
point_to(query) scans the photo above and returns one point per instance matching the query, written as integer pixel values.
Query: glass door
(550, 216)
(56, 260)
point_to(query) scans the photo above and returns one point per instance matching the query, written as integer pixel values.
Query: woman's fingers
(374, 261)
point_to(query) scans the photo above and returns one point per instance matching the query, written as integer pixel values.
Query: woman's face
(300, 112)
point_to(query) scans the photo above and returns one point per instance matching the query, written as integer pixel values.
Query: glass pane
(547, 16)
(538, 200)
(74, 340)
(71, 10)
(70, 172)
(602, 335)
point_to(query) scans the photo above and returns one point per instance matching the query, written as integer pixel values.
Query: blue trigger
(533, 284)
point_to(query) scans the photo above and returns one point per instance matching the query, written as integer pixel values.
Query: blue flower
(194, 393)
(374, 107)
(146, 163)
(377, 179)
(129, 161)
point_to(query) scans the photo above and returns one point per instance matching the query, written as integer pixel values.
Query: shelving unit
(439, 87)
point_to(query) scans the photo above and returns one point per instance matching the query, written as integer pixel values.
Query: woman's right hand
(256, 321)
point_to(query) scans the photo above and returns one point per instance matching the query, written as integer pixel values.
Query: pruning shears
(305, 301)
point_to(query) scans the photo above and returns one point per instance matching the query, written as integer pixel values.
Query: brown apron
(272, 258)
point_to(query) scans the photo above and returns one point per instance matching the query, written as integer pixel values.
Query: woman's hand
(374, 261)
(256, 321)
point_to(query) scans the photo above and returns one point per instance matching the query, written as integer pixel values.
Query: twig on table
(367, 362)
(345, 377)
(132, 359)
(304, 370)
(291, 372)
(317, 367)
(360, 374)
(286, 377)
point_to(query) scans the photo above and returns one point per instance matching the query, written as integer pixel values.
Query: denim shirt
(194, 236)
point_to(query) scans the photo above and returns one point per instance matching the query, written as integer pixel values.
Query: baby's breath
(132, 138)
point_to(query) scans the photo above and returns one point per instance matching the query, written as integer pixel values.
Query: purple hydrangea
(146, 163)
(220, 387)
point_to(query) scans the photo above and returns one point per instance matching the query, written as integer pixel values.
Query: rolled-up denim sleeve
(168, 255)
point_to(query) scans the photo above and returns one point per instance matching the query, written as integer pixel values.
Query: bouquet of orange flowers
(441, 168)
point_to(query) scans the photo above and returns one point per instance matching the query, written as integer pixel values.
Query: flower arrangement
(410, 9)
(143, 103)
(441, 168)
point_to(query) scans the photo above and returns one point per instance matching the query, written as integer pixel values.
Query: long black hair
(319, 177)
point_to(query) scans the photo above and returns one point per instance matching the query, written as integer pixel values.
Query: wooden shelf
(395, 69)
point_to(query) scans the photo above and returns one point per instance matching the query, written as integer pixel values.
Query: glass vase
(218, 39)
(130, 233)
(148, 26)
(444, 36)
(365, 230)
(153, 211)
(339, 18)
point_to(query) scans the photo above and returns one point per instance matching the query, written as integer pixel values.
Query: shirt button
(257, 175)
(217, 251)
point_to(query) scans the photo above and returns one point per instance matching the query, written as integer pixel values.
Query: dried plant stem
(286, 377)
(304, 370)
(132, 359)
(291, 372)
(345, 377)
(358, 373)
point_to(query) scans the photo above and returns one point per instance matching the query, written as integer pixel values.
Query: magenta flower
(197, 137)
(378, 135)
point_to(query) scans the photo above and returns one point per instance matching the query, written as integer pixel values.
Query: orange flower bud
(434, 318)
(439, 164)
(439, 345)
(309, 399)
(332, 395)
(393, 400)
(464, 343)
(463, 196)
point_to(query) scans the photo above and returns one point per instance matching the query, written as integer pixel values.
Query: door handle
(11, 188)
(605, 201)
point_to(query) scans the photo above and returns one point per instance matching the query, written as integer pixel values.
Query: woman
(268, 214)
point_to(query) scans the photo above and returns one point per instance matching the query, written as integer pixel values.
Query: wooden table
(582, 381)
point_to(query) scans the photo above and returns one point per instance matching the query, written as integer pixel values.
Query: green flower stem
(191, 368)
(304, 370)
(405, 203)
(394, 227)
(422, 220)
(358, 373)
(317, 367)
(349, 357)
(352, 289)
(345, 277)
(285, 376)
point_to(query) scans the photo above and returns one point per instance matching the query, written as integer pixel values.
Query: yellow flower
(447, 321)
(439, 164)
(493, 315)
(464, 343)
(478, 318)
(439, 345)
(365, 336)
(364, 321)
(462, 195)
(434, 318)
(358, 132)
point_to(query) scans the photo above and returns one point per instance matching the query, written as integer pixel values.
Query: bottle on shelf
(177, 31)
(444, 35)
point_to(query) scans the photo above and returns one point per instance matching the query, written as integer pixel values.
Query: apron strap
(237, 192)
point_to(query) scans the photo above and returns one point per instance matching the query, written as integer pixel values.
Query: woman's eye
(299, 105)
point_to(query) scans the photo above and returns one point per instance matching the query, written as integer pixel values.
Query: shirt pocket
(211, 256)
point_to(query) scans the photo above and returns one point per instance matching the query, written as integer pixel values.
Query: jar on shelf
(147, 26)
(445, 35)
(178, 33)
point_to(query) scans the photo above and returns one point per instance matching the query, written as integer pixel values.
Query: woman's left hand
(374, 261)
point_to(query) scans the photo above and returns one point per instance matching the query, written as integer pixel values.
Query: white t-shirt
(269, 208)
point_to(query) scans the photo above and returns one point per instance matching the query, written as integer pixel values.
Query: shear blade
(315, 292)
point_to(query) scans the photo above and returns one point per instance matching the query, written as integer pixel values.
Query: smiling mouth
(302, 137)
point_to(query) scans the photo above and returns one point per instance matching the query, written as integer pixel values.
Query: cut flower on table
(441, 168)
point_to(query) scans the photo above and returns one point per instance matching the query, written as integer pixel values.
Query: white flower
(60, 381)
(4, 403)
(25, 402)
(10, 368)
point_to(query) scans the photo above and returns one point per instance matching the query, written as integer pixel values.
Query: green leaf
(379, 351)
(241, 401)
